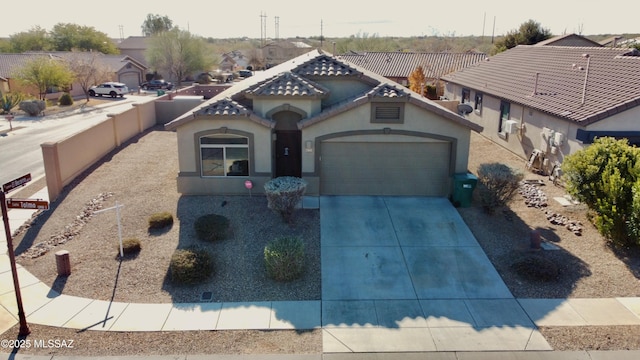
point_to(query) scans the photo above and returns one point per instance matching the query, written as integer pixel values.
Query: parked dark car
(157, 85)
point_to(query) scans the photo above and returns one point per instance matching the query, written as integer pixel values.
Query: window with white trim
(224, 155)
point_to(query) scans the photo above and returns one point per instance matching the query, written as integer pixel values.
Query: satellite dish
(464, 109)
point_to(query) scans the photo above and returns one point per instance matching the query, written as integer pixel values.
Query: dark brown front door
(288, 157)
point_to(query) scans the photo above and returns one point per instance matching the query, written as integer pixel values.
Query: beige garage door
(366, 168)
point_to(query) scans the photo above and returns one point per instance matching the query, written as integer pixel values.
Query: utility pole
(277, 27)
(321, 34)
(263, 27)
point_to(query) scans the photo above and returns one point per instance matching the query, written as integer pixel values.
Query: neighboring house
(553, 99)
(342, 128)
(134, 47)
(280, 51)
(569, 40)
(233, 61)
(122, 68)
(398, 66)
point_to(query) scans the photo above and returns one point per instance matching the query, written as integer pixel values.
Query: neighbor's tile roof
(134, 42)
(9, 63)
(402, 64)
(325, 65)
(224, 106)
(568, 40)
(551, 79)
(288, 84)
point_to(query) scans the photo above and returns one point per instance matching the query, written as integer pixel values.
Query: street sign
(16, 183)
(28, 204)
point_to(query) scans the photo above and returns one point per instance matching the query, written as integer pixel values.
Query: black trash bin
(463, 186)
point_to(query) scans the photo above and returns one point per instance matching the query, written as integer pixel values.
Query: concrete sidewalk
(363, 310)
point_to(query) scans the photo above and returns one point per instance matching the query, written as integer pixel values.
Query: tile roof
(325, 65)
(387, 91)
(552, 78)
(134, 42)
(401, 64)
(288, 84)
(224, 106)
(9, 63)
(569, 40)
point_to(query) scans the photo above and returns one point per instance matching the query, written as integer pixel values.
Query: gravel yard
(141, 176)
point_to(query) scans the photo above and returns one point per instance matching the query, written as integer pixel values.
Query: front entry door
(288, 153)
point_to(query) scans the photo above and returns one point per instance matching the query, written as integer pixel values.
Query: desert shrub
(537, 268)
(190, 266)
(9, 101)
(284, 258)
(499, 183)
(606, 177)
(130, 246)
(160, 220)
(283, 195)
(32, 107)
(211, 227)
(65, 99)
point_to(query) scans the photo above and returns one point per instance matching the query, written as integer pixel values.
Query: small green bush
(190, 266)
(537, 268)
(65, 100)
(130, 246)
(284, 258)
(283, 194)
(32, 107)
(160, 220)
(499, 183)
(212, 227)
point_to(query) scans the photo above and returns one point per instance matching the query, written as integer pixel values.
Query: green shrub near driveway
(284, 258)
(211, 227)
(65, 100)
(499, 183)
(190, 266)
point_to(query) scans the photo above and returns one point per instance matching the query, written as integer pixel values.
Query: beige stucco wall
(534, 128)
(415, 119)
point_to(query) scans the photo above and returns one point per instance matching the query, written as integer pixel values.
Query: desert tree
(44, 72)
(155, 24)
(177, 53)
(529, 33)
(68, 37)
(88, 70)
(35, 39)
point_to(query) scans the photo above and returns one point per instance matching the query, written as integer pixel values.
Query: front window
(224, 155)
(505, 110)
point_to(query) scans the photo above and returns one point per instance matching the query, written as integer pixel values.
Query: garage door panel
(361, 168)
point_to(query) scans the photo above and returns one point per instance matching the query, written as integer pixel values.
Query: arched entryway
(288, 144)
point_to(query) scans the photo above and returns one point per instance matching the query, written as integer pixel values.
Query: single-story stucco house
(550, 101)
(344, 129)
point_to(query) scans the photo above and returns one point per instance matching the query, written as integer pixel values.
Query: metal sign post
(24, 327)
(117, 208)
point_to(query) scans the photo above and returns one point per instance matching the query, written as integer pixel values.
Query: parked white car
(113, 89)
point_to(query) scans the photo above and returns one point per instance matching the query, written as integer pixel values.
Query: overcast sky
(339, 18)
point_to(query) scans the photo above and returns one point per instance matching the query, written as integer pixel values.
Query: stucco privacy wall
(66, 159)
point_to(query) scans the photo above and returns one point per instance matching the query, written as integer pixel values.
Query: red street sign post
(24, 327)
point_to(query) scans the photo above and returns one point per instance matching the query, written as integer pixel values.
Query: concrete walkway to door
(406, 274)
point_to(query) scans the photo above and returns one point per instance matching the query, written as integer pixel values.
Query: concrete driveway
(407, 274)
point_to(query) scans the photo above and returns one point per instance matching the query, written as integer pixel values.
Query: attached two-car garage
(418, 167)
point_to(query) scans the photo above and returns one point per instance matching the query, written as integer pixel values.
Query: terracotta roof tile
(224, 106)
(288, 84)
(387, 91)
(325, 65)
(551, 79)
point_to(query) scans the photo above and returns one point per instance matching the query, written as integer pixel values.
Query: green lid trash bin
(463, 186)
(160, 92)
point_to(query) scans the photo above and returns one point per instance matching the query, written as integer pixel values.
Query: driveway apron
(407, 274)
